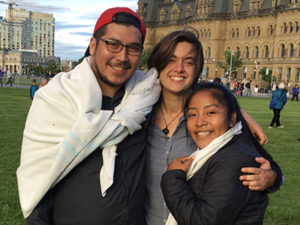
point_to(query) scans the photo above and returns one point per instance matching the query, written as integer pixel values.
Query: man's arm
(255, 128)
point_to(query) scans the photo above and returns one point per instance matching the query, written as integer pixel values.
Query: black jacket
(215, 195)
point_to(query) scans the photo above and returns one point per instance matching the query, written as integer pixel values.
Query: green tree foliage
(236, 62)
(145, 55)
(266, 77)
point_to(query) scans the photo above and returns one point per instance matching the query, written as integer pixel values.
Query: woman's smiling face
(206, 118)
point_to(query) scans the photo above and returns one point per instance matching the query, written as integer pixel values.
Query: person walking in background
(9, 77)
(1, 77)
(280, 97)
(33, 88)
(295, 92)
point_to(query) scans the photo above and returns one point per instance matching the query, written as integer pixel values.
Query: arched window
(282, 54)
(291, 27)
(258, 31)
(256, 52)
(267, 51)
(232, 33)
(296, 27)
(284, 28)
(237, 32)
(271, 30)
(291, 50)
(253, 31)
(208, 53)
(247, 52)
(249, 32)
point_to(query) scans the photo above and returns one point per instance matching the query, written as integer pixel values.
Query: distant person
(256, 90)
(274, 87)
(280, 95)
(43, 83)
(9, 77)
(1, 77)
(295, 92)
(217, 80)
(248, 88)
(33, 88)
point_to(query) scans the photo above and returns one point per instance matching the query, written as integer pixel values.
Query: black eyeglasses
(116, 46)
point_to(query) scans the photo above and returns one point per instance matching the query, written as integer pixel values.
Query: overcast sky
(74, 21)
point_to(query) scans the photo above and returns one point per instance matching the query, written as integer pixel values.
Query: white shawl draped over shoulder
(65, 124)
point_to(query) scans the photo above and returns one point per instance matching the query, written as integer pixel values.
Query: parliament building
(265, 32)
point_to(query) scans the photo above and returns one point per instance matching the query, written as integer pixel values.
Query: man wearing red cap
(82, 154)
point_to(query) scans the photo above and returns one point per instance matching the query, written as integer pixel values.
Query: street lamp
(230, 67)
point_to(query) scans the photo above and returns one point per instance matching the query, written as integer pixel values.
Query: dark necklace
(166, 130)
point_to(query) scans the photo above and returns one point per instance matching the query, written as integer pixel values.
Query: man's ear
(232, 120)
(93, 44)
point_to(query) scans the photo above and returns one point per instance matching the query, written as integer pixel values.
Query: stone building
(16, 60)
(22, 29)
(266, 32)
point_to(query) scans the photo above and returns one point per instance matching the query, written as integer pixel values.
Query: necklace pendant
(166, 131)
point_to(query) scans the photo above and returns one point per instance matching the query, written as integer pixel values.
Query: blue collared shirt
(161, 150)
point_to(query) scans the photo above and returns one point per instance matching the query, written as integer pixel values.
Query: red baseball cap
(119, 15)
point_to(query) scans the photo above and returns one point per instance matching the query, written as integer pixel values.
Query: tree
(236, 62)
(265, 76)
(145, 55)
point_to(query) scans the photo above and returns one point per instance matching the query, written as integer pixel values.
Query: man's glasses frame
(116, 46)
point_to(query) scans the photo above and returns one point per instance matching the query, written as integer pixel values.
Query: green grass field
(284, 205)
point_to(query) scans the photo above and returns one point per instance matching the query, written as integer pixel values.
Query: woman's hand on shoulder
(181, 163)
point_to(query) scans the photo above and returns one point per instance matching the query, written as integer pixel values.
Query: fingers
(265, 164)
(253, 182)
(263, 140)
(182, 163)
(250, 170)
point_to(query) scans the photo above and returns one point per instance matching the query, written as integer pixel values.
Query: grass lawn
(284, 205)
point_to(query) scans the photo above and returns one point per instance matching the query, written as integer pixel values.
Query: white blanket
(65, 124)
(202, 155)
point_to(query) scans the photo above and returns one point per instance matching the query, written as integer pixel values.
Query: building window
(288, 75)
(258, 31)
(279, 74)
(291, 50)
(267, 51)
(296, 27)
(284, 28)
(249, 32)
(297, 74)
(247, 52)
(208, 53)
(282, 54)
(291, 27)
(256, 52)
